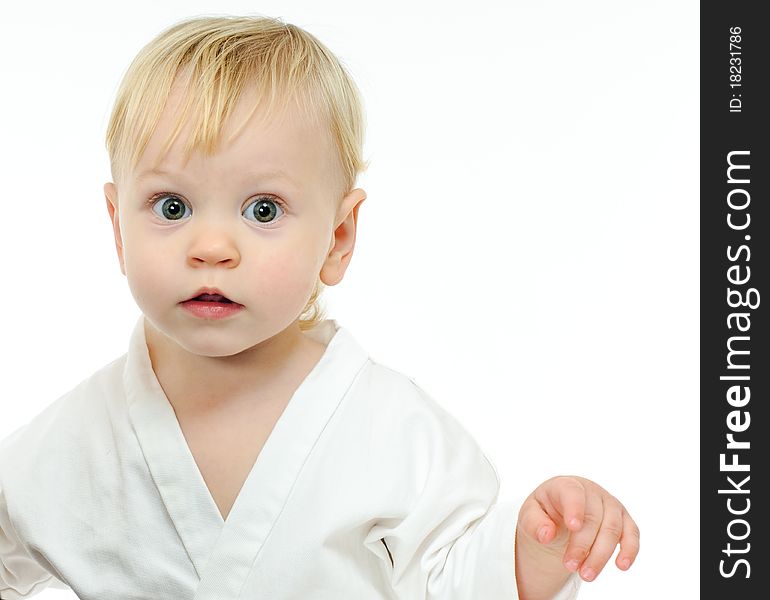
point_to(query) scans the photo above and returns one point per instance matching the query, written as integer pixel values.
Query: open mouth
(211, 298)
(212, 306)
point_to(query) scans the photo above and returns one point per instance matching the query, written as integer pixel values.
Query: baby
(245, 446)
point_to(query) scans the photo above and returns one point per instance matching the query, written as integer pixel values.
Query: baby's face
(258, 220)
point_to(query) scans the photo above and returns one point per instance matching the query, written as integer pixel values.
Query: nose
(213, 248)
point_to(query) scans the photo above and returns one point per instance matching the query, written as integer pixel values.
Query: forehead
(284, 145)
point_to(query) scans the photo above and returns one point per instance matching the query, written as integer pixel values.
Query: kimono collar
(216, 545)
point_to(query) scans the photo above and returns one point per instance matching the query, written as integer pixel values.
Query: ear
(344, 239)
(111, 195)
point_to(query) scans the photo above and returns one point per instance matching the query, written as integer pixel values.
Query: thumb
(536, 523)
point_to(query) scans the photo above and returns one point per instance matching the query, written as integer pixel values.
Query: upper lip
(209, 290)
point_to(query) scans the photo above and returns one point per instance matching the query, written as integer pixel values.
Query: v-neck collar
(213, 544)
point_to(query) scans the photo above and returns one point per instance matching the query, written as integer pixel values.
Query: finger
(536, 523)
(629, 542)
(563, 498)
(580, 542)
(606, 540)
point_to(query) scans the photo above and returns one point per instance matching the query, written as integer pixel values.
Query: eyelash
(153, 199)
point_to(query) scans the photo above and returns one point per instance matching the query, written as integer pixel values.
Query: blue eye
(172, 208)
(264, 210)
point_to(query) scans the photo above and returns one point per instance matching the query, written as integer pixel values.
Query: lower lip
(211, 310)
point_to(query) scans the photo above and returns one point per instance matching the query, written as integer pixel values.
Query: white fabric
(365, 489)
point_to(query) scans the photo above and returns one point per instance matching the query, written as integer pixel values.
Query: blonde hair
(225, 55)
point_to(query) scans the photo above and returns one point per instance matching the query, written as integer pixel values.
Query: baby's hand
(577, 521)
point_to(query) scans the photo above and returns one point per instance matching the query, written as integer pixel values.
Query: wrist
(540, 573)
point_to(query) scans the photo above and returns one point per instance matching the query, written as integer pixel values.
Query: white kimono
(366, 489)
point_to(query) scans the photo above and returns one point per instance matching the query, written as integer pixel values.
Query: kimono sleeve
(21, 576)
(455, 542)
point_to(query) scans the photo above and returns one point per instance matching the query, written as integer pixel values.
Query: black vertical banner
(734, 273)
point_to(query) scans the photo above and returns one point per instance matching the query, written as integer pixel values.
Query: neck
(199, 384)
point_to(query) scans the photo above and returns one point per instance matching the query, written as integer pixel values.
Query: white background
(528, 251)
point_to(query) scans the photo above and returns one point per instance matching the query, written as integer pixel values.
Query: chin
(212, 344)
(198, 338)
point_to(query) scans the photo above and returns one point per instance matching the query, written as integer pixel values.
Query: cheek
(288, 273)
(148, 265)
